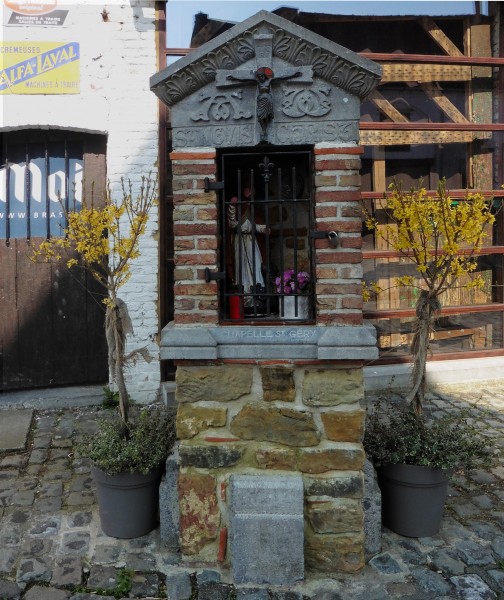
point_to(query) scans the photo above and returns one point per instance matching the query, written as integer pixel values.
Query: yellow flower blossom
(441, 237)
(103, 239)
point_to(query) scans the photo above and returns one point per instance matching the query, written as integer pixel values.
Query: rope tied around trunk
(428, 306)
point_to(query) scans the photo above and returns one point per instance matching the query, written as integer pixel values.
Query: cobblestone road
(52, 548)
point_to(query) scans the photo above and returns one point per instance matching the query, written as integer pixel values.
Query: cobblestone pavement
(52, 548)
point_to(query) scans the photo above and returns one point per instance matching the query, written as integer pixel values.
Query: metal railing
(39, 183)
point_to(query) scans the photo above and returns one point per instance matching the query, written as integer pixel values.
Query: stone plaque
(267, 529)
(267, 335)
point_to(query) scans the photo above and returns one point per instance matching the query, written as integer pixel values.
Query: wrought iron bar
(7, 199)
(295, 239)
(67, 186)
(28, 193)
(47, 199)
(265, 235)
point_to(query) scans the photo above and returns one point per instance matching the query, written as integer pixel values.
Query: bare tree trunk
(115, 341)
(426, 309)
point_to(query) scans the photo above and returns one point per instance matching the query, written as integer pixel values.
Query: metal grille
(39, 183)
(266, 218)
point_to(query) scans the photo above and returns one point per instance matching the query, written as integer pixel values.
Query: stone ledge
(344, 342)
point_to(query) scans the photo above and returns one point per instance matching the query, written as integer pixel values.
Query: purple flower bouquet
(292, 283)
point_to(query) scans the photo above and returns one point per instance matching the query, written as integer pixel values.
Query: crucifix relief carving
(263, 76)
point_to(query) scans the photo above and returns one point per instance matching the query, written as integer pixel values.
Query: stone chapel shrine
(268, 336)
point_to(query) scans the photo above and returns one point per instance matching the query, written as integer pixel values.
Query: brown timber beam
(383, 57)
(433, 58)
(387, 126)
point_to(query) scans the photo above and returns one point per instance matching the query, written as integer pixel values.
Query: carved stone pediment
(261, 78)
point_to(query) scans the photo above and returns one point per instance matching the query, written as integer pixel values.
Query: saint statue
(246, 252)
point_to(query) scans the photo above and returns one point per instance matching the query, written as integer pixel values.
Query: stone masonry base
(265, 420)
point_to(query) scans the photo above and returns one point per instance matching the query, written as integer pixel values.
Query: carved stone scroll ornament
(312, 102)
(220, 107)
(333, 69)
(198, 74)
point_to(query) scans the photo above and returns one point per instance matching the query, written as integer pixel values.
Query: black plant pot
(128, 502)
(413, 499)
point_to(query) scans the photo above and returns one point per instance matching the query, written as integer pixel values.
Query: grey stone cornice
(352, 342)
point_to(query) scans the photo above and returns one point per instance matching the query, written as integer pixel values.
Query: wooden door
(51, 317)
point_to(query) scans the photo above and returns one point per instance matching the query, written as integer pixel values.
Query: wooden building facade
(437, 114)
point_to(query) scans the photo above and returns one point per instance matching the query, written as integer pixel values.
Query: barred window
(39, 182)
(265, 210)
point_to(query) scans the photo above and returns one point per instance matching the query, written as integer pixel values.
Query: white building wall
(117, 57)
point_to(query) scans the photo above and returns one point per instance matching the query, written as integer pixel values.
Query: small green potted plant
(127, 465)
(128, 450)
(415, 457)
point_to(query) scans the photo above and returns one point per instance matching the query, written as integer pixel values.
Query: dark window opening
(266, 253)
(40, 181)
